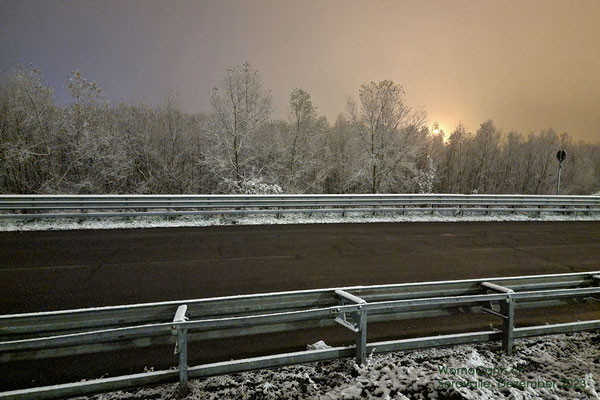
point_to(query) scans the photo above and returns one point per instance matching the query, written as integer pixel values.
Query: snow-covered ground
(189, 221)
(553, 367)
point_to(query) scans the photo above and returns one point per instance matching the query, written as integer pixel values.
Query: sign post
(561, 155)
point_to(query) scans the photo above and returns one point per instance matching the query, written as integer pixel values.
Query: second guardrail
(59, 333)
(91, 206)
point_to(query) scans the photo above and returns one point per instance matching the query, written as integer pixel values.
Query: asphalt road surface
(70, 269)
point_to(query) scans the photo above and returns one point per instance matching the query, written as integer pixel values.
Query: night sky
(526, 64)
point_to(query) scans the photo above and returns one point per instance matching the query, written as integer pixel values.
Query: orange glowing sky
(526, 64)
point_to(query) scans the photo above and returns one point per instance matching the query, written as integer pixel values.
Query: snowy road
(68, 269)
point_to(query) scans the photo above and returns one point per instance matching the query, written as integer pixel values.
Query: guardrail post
(181, 348)
(360, 324)
(361, 336)
(183, 363)
(508, 309)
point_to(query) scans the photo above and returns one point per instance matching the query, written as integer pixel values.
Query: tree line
(379, 144)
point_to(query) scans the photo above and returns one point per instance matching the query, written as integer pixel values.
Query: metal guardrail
(61, 333)
(87, 206)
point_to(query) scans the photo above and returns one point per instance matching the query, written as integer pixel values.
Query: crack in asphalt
(521, 250)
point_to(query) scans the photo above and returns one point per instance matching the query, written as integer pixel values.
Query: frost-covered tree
(425, 178)
(242, 106)
(84, 135)
(342, 149)
(303, 145)
(302, 118)
(89, 146)
(483, 155)
(248, 186)
(30, 123)
(454, 161)
(389, 133)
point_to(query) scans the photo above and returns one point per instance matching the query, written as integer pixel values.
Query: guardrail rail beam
(105, 329)
(33, 207)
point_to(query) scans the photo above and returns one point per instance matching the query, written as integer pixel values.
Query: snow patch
(320, 345)
(415, 375)
(267, 219)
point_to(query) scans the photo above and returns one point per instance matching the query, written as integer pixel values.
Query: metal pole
(508, 309)
(361, 336)
(558, 181)
(183, 363)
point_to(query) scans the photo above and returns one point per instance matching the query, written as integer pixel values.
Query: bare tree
(303, 145)
(342, 149)
(242, 106)
(89, 146)
(30, 122)
(388, 130)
